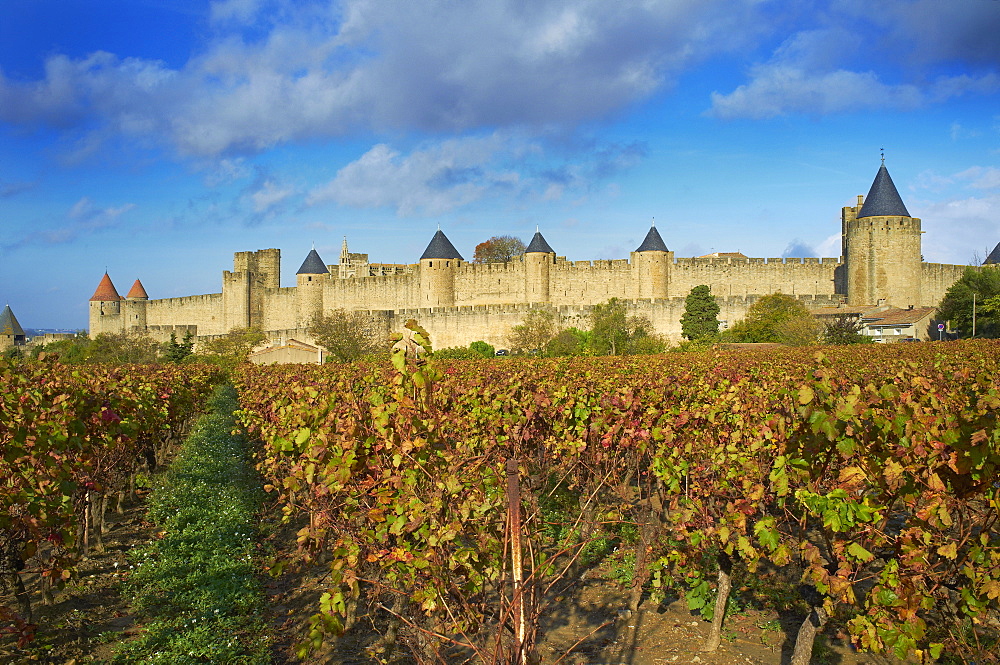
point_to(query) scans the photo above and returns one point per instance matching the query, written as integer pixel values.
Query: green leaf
(859, 553)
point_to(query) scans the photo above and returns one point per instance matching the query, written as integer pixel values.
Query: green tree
(613, 332)
(484, 349)
(347, 336)
(130, 347)
(568, 342)
(844, 329)
(538, 327)
(498, 249)
(701, 314)
(983, 282)
(174, 351)
(234, 347)
(776, 318)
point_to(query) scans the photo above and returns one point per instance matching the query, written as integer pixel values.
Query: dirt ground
(585, 626)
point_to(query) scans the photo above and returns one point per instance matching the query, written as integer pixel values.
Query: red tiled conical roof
(106, 291)
(137, 291)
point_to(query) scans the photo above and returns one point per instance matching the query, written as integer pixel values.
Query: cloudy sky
(154, 138)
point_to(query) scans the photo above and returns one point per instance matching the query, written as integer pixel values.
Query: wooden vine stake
(516, 566)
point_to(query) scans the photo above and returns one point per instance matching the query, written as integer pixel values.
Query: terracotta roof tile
(106, 291)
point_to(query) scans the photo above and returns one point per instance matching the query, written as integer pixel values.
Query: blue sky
(154, 138)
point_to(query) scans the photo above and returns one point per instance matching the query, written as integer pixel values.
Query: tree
(174, 351)
(234, 347)
(498, 249)
(776, 318)
(538, 327)
(701, 314)
(983, 282)
(568, 342)
(844, 329)
(347, 335)
(123, 348)
(613, 332)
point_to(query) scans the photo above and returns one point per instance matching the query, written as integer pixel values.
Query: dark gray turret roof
(538, 245)
(440, 248)
(994, 257)
(653, 242)
(313, 265)
(883, 199)
(9, 324)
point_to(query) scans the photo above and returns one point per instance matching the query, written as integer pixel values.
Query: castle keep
(460, 302)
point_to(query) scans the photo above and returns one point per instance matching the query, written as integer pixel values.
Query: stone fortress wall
(460, 302)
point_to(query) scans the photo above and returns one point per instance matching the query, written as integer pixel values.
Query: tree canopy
(776, 318)
(701, 314)
(983, 282)
(614, 332)
(347, 335)
(538, 327)
(498, 249)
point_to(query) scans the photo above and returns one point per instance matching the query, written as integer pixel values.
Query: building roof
(106, 291)
(538, 245)
(898, 317)
(653, 242)
(313, 265)
(994, 256)
(440, 248)
(137, 291)
(883, 199)
(9, 324)
(724, 255)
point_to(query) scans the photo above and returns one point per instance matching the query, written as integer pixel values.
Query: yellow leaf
(950, 551)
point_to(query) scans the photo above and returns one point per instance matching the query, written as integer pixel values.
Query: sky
(152, 139)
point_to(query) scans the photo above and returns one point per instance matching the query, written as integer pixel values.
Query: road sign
(940, 326)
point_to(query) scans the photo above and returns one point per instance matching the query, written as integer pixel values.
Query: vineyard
(453, 507)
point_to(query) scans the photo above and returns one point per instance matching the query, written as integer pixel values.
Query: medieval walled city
(459, 302)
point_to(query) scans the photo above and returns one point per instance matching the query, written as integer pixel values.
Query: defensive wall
(460, 302)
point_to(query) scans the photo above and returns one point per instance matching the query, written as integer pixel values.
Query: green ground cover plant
(196, 586)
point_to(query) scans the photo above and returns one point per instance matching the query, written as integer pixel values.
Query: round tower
(652, 262)
(134, 308)
(538, 261)
(882, 248)
(105, 309)
(437, 272)
(309, 280)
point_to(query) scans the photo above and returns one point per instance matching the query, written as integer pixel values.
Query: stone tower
(133, 308)
(11, 332)
(243, 289)
(309, 281)
(538, 261)
(105, 308)
(652, 262)
(437, 272)
(881, 245)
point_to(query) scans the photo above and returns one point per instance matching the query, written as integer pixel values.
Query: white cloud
(321, 69)
(441, 176)
(269, 195)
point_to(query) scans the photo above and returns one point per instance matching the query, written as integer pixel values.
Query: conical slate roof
(106, 291)
(653, 242)
(9, 324)
(313, 265)
(440, 248)
(137, 291)
(539, 245)
(883, 199)
(994, 257)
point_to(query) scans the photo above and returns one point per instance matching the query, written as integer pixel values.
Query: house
(292, 351)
